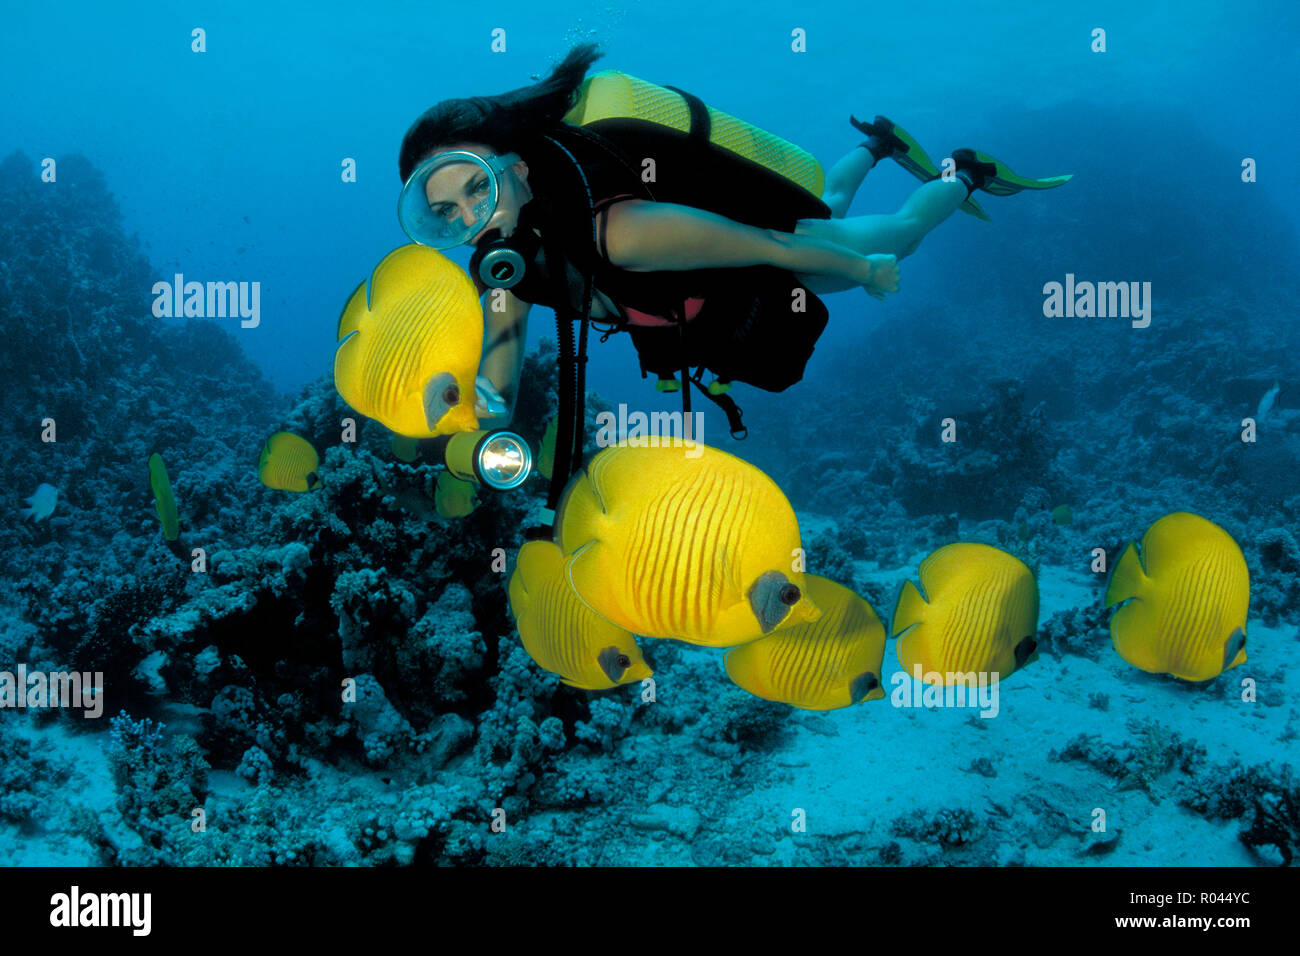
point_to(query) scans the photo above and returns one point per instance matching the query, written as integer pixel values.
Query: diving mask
(462, 179)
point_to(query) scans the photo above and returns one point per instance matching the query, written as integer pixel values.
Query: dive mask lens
(466, 187)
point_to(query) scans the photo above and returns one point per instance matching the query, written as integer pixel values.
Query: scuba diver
(619, 202)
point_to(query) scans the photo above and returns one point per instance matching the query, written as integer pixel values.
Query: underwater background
(221, 689)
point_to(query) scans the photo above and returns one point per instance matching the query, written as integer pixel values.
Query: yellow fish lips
(1185, 600)
(446, 410)
(410, 341)
(619, 666)
(975, 612)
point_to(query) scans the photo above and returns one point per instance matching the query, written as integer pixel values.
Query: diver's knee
(837, 203)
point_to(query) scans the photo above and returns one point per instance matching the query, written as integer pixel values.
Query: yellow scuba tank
(618, 105)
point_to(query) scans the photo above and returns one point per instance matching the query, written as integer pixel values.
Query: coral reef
(339, 682)
(1083, 631)
(159, 779)
(1139, 762)
(948, 828)
(1265, 797)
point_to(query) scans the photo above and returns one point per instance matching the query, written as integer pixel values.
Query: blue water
(240, 147)
(226, 165)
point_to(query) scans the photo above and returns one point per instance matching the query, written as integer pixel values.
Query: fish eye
(624, 661)
(789, 595)
(451, 395)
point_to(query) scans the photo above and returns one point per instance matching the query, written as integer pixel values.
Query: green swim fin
(902, 148)
(997, 178)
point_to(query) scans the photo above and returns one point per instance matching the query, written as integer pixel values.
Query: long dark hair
(507, 122)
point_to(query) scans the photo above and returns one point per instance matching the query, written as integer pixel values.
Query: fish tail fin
(1127, 579)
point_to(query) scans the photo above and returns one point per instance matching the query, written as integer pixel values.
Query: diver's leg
(896, 234)
(844, 179)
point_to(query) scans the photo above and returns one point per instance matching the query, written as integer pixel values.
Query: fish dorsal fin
(353, 314)
(909, 609)
(1127, 577)
(595, 474)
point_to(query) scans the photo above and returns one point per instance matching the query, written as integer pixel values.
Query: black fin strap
(734, 412)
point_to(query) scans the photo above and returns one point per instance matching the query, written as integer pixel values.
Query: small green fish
(453, 497)
(406, 448)
(546, 459)
(163, 501)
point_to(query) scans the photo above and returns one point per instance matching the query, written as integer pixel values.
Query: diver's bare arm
(648, 236)
(503, 349)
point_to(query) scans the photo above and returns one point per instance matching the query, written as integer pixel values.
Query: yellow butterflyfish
(667, 538)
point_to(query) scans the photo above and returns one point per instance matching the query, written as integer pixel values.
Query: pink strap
(637, 317)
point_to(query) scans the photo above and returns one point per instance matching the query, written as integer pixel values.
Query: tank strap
(701, 125)
(570, 285)
(734, 413)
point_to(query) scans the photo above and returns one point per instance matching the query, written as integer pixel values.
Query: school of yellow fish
(665, 539)
(703, 547)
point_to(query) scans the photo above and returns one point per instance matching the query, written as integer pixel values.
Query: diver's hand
(883, 276)
(490, 403)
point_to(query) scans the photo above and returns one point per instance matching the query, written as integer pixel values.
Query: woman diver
(725, 277)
